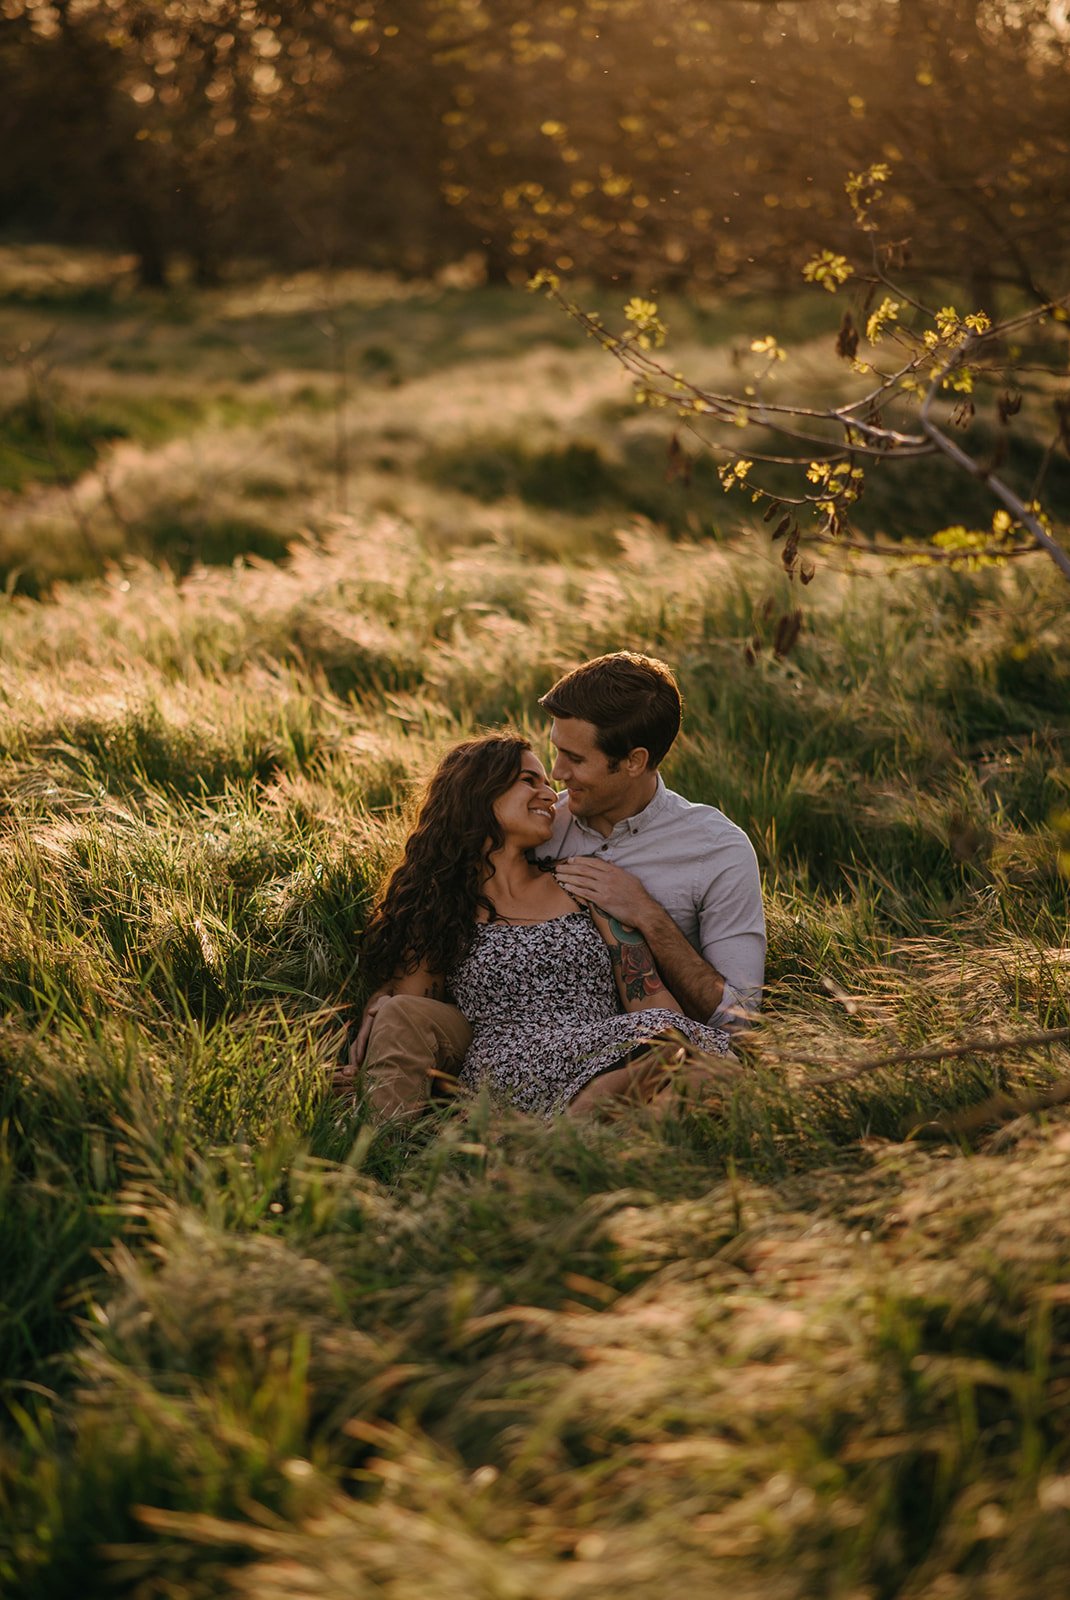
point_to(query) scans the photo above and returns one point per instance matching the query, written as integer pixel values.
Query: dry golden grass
(788, 1344)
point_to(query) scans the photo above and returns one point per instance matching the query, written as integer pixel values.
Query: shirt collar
(631, 825)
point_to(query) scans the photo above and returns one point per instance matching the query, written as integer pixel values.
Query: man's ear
(637, 761)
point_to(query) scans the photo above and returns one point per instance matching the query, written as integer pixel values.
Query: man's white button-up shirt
(697, 864)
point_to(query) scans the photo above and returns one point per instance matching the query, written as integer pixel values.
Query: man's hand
(697, 986)
(359, 1047)
(344, 1079)
(618, 893)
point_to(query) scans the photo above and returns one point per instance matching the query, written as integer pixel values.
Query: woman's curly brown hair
(428, 910)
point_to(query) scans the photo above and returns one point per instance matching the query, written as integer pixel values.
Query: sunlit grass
(788, 1342)
(193, 429)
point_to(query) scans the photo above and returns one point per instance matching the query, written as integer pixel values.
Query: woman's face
(525, 811)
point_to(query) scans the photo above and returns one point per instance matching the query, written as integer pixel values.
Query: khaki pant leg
(412, 1040)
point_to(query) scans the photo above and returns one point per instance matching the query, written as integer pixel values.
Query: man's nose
(559, 770)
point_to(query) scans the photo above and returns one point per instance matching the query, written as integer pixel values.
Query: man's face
(595, 787)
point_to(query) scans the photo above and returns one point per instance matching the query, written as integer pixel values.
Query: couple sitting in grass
(570, 951)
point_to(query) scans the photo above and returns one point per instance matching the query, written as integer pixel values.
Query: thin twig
(978, 1046)
(997, 1108)
(918, 552)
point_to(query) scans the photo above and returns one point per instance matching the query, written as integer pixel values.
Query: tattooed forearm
(632, 960)
(638, 972)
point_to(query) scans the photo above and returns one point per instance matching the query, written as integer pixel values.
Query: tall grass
(788, 1342)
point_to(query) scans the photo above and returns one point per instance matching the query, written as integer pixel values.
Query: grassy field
(266, 553)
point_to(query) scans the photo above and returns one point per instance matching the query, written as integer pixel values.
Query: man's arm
(697, 985)
(732, 931)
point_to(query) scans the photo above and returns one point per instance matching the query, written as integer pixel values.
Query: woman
(558, 996)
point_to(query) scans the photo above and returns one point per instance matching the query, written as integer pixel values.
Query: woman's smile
(545, 812)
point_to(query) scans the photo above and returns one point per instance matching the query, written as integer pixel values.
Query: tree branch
(977, 1046)
(1002, 491)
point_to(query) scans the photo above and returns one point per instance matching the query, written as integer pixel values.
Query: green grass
(797, 1344)
(193, 429)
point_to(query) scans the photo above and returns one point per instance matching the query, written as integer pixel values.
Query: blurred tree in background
(699, 142)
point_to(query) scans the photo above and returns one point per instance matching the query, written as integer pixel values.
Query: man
(683, 874)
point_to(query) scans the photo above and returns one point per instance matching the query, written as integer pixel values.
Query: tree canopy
(624, 138)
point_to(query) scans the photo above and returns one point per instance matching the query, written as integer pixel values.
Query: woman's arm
(427, 985)
(637, 978)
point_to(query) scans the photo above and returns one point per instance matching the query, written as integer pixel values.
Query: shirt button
(605, 847)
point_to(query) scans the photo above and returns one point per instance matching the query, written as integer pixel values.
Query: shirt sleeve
(732, 929)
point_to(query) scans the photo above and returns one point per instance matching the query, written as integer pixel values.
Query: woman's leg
(659, 1075)
(414, 1044)
(639, 1078)
(697, 1083)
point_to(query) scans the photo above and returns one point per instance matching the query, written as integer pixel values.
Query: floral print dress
(545, 1015)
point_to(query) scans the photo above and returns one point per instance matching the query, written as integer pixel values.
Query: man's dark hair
(632, 700)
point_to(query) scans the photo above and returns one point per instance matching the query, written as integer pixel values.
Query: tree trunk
(144, 239)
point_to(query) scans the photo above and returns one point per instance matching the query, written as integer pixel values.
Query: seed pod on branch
(1009, 404)
(1062, 416)
(847, 338)
(787, 631)
(678, 464)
